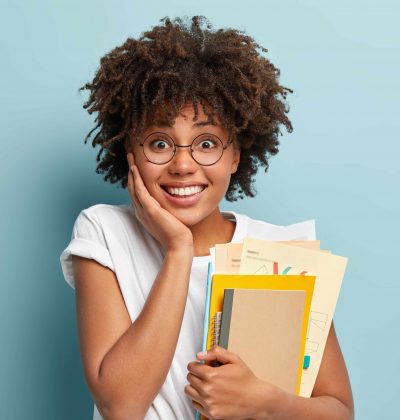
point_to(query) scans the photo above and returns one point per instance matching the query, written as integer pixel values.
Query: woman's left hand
(230, 391)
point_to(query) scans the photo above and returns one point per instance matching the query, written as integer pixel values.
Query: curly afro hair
(187, 61)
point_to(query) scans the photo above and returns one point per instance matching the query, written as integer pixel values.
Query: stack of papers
(272, 303)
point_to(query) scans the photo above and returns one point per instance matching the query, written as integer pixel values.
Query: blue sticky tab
(306, 362)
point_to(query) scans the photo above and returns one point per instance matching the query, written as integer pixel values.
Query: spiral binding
(216, 328)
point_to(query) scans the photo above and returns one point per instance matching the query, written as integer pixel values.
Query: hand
(160, 223)
(229, 391)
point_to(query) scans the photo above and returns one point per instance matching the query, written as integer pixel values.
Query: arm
(123, 364)
(126, 364)
(331, 398)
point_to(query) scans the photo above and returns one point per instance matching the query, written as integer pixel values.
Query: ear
(235, 159)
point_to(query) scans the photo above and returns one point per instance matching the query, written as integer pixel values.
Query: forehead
(158, 117)
(188, 112)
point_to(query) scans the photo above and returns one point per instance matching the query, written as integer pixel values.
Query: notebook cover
(264, 328)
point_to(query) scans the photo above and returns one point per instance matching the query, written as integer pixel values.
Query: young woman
(186, 115)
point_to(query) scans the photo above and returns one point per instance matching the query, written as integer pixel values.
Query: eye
(159, 144)
(207, 143)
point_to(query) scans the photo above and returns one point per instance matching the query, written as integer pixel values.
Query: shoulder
(116, 224)
(105, 221)
(104, 211)
(103, 215)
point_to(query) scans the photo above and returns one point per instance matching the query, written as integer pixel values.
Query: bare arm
(126, 364)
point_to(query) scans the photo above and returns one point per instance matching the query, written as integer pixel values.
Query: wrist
(181, 252)
(272, 402)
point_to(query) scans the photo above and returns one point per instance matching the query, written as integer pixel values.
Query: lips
(184, 192)
(183, 188)
(186, 196)
(183, 185)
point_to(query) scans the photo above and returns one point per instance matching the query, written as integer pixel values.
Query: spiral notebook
(264, 327)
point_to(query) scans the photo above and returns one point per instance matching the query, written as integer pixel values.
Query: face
(207, 184)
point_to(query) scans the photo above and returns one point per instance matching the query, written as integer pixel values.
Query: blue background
(339, 166)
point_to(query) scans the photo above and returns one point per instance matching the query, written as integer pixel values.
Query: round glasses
(206, 149)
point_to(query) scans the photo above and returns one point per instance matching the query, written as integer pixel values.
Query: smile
(184, 197)
(184, 192)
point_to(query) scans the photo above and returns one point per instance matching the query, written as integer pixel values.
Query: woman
(186, 115)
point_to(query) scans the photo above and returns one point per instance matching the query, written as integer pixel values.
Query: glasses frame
(224, 147)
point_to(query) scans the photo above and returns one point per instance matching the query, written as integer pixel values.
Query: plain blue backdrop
(340, 166)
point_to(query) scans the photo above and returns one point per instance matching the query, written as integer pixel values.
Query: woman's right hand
(170, 232)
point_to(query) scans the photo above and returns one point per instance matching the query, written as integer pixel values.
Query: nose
(182, 162)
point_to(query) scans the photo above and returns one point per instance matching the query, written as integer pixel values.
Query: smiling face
(204, 186)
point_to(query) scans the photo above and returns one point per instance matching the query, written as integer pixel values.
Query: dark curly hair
(187, 61)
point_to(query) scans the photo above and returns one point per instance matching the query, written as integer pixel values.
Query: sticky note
(306, 363)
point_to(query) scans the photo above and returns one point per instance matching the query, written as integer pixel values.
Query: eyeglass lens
(206, 149)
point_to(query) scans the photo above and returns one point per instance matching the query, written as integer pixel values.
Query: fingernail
(202, 353)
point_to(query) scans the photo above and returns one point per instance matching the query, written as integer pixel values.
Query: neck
(214, 229)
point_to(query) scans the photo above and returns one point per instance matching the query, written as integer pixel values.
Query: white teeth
(185, 191)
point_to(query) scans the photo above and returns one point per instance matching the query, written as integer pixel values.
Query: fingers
(199, 408)
(194, 380)
(219, 354)
(193, 394)
(200, 370)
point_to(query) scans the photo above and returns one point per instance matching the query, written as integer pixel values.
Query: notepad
(264, 327)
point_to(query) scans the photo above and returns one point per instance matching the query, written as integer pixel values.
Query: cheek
(221, 175)
(149, 174)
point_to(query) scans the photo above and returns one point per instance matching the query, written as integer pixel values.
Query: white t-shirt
(111, 235)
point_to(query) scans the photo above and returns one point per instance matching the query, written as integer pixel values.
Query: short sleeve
(87, 240)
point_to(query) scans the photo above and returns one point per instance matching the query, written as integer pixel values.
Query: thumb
(219, 354)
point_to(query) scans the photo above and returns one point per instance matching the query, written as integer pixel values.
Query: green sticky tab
(306, 362)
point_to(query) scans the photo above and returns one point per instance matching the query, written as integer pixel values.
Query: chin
(189, 219)
(190, 216)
